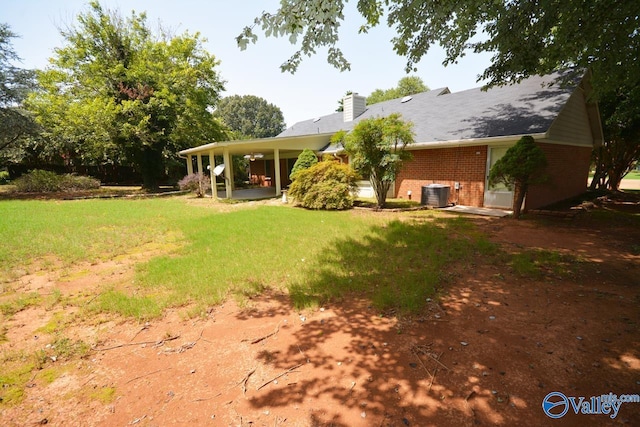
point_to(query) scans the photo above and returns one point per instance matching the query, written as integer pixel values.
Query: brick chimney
(352, 106)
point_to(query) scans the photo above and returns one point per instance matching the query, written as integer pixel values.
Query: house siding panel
(572, 124)
(567, 170)
(465, 165)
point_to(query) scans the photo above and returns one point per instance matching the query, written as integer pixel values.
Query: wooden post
(189, 164)
(276, 166)
(228, 172)
(212, 165)
(199, 157)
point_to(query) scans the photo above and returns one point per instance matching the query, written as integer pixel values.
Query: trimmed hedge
(325, 185)
(40, 181)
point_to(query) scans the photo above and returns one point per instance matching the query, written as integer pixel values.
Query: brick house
(459, 136)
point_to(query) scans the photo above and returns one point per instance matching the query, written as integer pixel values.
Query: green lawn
(396, 261)
(635, 174)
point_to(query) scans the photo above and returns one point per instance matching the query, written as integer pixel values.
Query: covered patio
(271, 160)
(250, 193)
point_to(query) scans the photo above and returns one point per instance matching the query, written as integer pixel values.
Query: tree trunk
(380, 188)
(150, 163)
(519, 192)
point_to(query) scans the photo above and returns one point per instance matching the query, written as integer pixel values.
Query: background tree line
(120, 101)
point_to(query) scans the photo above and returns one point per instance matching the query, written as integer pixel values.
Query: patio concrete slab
(478, 211)
(249, 193)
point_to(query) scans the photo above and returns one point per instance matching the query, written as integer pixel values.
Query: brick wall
(465, 165)
(567, 169)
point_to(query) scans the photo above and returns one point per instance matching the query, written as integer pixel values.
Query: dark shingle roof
(525, 108)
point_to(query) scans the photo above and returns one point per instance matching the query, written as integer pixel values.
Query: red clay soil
(486, 352)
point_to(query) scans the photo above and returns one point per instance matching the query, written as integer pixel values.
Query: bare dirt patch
(486, 352)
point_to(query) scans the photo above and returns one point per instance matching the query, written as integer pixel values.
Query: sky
(314, 90)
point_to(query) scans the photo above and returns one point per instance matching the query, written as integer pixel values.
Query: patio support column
(228, 172)
(276, 166)
(199, 157)
(189, 165)
(212, 164)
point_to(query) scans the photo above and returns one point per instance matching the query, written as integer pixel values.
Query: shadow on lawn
(495, 346)
(397, 266)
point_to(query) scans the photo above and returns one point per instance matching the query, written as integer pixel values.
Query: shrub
(196, 182)
(41, 181)
(325, 185)
(4, 177)
(305, 160)
(79, 183)
(522, 166)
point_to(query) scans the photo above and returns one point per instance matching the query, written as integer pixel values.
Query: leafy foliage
(521, 166)
(199, 183)
(409, 85)
(250, 116)
(117, 93)
(526, 37)
(305, 160)
(378, 148)
(325, 185)
(14, 85)
(40, 181)
(621, 148)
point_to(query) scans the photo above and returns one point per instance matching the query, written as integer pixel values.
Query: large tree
(408, 85)
(15, 83)
(621, 148)
(377, 147)
(525, 37)
(118, 92)
(250, 116)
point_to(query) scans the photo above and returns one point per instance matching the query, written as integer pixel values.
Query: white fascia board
(255, 145)
(496, 140)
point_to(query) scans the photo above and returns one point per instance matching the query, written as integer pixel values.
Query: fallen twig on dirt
(145, 327)
(432, 378)
(281, 375)
(155, 343)
(137, 420)
(245, 379)
(202, 399)
(257, 340)
(415, 353)
(146, 375)
(437, 361)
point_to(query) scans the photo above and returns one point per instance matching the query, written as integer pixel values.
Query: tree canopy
(525, 37)
(408, 85)
(250, 116)
(621, 148)
(15, 83)
(377, 148)
(116, 92)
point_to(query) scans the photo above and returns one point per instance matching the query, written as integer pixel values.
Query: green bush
(305, 160)
(40, 181)
(325, 185)
(4, 177)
